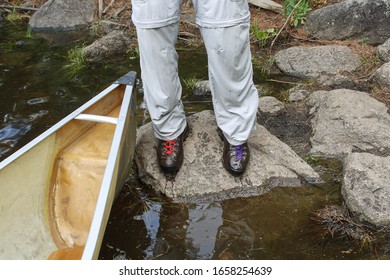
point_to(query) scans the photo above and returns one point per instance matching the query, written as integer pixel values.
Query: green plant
(190, 83)
(77, 61)
(133, 53)
(13, 16)
(261, 36)
(29, 33)
(311, 159)
(96, 28)
(296, 11)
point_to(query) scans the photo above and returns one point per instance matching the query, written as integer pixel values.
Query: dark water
(37, 90)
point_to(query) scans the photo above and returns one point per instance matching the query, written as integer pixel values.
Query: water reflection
(13, 129)
(151, 219)
(275, 225)
(203, 223)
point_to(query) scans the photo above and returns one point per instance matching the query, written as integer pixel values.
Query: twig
(283, 82)
(101, 4)
(285, 23)
(117, 13)
(187, 34)
(18, 8)
(109, 6)
(189, 23)
(116, 23)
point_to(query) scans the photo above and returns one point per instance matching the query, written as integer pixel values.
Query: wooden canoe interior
(83, 149)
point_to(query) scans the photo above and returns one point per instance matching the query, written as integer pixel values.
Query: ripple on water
(13, 129)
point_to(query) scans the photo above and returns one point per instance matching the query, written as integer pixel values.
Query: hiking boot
(170, 152)
(235, 157)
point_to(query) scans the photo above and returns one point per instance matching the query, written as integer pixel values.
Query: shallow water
(36, 91)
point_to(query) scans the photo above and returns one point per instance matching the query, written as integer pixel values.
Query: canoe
(57, 191)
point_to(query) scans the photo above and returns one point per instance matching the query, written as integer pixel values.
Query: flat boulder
(202, 176)
(311, 62)
(345, 120)
(63, 15)
(366, 188)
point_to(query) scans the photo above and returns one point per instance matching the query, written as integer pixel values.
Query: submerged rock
(202, 176)
(366, 188)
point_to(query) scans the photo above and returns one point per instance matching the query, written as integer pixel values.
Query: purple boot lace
(239, 151)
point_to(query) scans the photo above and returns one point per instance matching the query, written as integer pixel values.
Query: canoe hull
(31, 226)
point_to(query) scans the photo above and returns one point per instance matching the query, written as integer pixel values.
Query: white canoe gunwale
(115, 172)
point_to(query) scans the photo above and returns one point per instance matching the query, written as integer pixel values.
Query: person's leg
(156, 23)
(225, 32)
(161, 83)
(231, 79)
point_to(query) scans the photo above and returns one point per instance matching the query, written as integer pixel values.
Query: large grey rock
(113, 45)
(310, 62)
(63, 15)
(367, 20)
(382, 76)
(345, 120)
(366, 187)
(202, 176)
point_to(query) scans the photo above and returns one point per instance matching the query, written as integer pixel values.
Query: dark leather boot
(170, 152)
(235, 157)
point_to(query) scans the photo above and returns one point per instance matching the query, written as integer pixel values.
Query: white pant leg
(235, 97)
(161, 83)
(157, 29)
(224, 25)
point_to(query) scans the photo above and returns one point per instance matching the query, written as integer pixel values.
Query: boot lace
(169, 146)
(239, 152)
